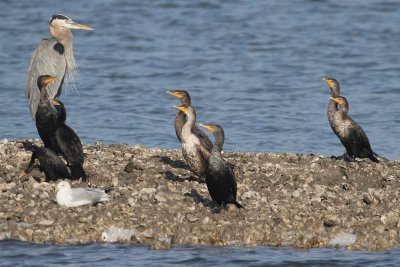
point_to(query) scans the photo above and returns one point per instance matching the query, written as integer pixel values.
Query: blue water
(24, 254)
(255, 67)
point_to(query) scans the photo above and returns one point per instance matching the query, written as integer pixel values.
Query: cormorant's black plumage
(69, 143)
(45, 116)
(220, 179)
(53, 167)
(350, 133)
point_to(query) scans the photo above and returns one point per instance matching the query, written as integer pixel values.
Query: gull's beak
(52, 101)
(177, 95)
(208, 127)
(78, 26)
(23, 173)
(181, 108)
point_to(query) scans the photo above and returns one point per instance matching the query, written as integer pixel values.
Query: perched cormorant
(220, 179)
(350, 133)
(53, 167)
(194, 152)
(46, 117)
(333, 85)
(69, 142)
(180, 119)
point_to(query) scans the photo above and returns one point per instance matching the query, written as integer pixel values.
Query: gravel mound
(292, 200)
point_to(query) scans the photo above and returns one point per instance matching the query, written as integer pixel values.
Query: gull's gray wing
(88, 195)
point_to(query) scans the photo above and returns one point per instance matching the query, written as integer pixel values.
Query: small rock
(7, 186)
(205, 221)
(46, 222)
(131, 202)
(192, 218)
(331, 220)
(159, 198)
(343, 239)
(368, 199)
(132, 166)
(127, 155)
(345, 186)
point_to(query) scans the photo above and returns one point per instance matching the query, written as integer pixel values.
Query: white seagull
(75, 197)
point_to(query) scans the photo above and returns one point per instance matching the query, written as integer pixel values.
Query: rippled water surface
(255, 67)
(24, 254)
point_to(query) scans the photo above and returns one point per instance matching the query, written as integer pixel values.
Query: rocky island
(294, 200)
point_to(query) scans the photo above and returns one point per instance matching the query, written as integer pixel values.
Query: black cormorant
(45, 116)
(53, 167)
(220, 179)
(350, 133)
(194, 152)
(69, 142)
(180, 119)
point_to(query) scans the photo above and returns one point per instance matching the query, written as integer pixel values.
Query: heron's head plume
(62, 21)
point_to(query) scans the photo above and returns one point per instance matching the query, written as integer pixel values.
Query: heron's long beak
(23, 173)
(176, 94)
(181, 108)
(78, 26)
(54, 102)
(208, 127)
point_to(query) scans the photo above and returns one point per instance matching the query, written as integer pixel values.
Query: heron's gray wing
(88, 195)
(47, 59)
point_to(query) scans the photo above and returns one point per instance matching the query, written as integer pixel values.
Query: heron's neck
(65, 37)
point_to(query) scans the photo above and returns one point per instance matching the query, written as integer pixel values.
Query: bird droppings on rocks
(292, 200)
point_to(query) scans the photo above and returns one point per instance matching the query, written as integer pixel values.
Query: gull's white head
(63, 185)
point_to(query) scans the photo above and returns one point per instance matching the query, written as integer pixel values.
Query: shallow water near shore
(254, 67)
(15, 253)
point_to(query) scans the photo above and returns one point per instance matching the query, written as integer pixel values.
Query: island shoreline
(291, 200)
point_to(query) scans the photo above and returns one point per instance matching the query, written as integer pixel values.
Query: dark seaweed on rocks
(291, 200)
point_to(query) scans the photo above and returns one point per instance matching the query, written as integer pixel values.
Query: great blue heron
(53, 56)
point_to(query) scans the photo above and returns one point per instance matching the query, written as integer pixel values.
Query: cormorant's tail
(378, 157)
(374, 159)
(238, 205)
(77, 172)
